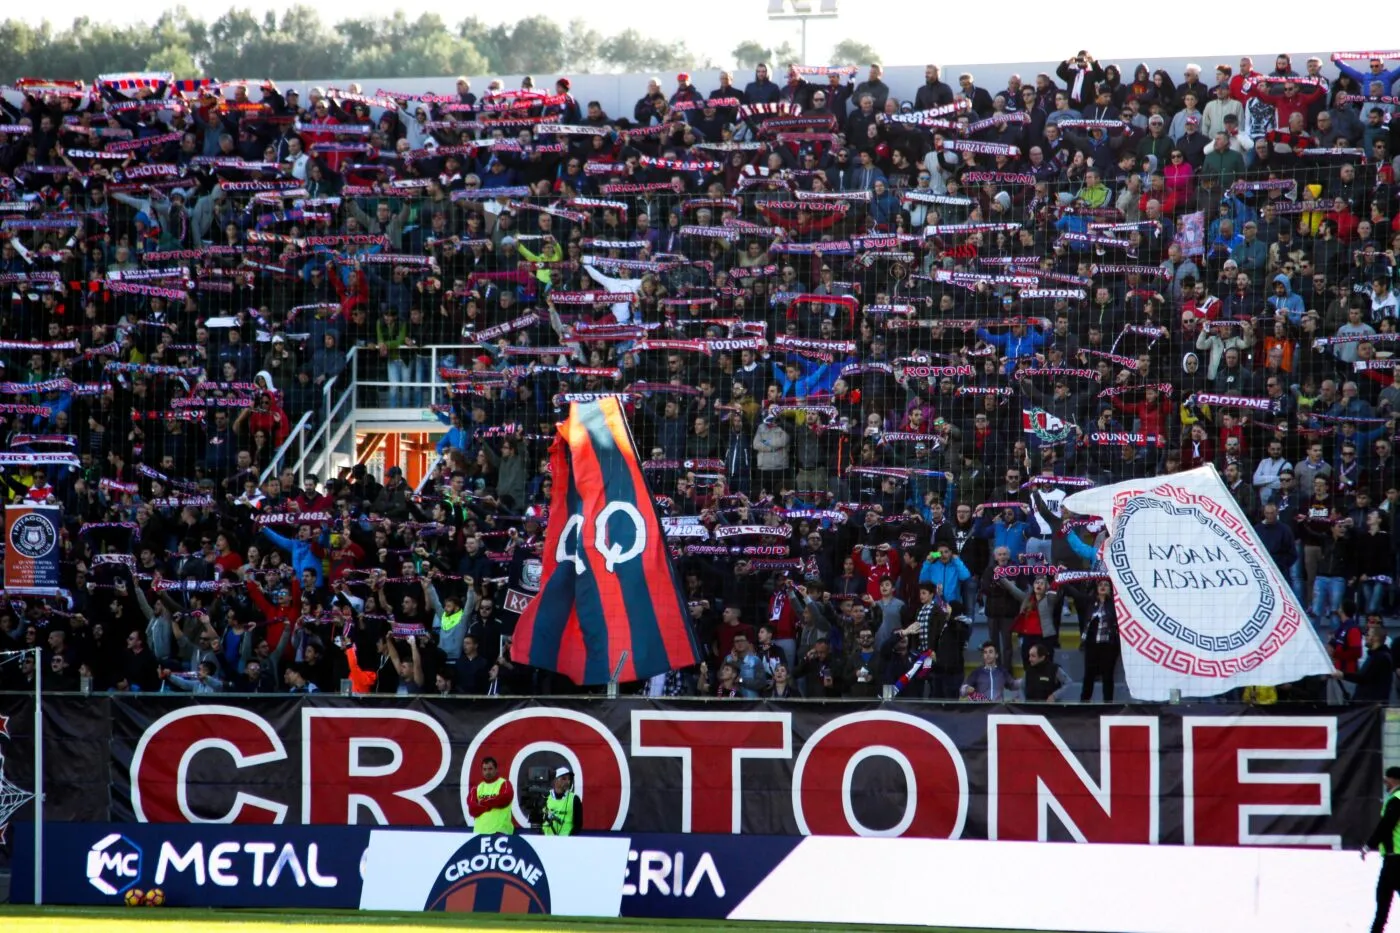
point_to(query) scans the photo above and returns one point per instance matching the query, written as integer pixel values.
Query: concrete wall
(618, 93)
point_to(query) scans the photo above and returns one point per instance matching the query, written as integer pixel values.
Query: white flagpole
(38, 779)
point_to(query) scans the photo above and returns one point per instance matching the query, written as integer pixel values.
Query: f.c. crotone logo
(32, 536)
(492, 874)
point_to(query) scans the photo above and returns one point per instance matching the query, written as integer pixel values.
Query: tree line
(298, 45)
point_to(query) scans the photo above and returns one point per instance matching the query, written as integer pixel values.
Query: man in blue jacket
(1286, 300)
(1006, 529)
(946, 572)
(1377, 72)
(761, 90)
(1014, 344)
(303, 554)
(458, 435)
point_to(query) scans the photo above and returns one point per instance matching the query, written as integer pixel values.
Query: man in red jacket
(309, 499)
(1237, 81)
(1291, 101)
(278, 614)
(886, 567)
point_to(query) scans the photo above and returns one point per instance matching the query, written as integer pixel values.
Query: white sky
(904, 32)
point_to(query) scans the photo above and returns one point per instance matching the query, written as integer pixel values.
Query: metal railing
(318, 453)
(411, 392)
(295, 436)
(428, 474)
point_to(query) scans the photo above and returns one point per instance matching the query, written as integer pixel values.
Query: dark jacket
(1278, 540)
(1374, 678)
(1105, 615)
(761, 92)
(809, 675)
(949, 637)
(932, 94)
(1001, 603)
(392, 501)
(472, 675)
(1042, 680)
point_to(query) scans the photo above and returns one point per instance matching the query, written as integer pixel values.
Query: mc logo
(114, 864)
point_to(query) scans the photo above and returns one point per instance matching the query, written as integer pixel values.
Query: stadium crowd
(870, 337)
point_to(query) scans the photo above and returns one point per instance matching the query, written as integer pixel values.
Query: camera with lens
(536, 792)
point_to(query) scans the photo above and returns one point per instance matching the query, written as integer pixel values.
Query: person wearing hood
(1162, 91)
(1285, 300)
(267, 414)
(1113, 83)
(761, 90)
(770, 442)
(1191, 381)
(884, 206)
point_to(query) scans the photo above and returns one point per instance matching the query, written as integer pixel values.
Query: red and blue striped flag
(608, 595)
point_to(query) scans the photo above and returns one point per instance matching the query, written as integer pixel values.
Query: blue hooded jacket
(1011, 536)
(948, 577)
(1291, 304)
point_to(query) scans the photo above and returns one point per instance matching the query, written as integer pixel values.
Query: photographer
(562, 812)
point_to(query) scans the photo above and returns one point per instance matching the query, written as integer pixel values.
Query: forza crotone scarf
(609, 599)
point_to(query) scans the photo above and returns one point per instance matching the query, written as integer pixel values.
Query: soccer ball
(135, 897)
(155, 897)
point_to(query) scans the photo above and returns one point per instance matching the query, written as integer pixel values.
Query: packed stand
(868, 344)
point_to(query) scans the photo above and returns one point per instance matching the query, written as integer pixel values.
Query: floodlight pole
(802, 18)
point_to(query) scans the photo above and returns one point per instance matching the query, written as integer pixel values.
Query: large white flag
(1201, 606)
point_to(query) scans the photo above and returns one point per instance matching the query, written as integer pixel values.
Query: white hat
(563, 771)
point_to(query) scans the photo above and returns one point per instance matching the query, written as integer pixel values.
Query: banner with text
(1202, 607)
(1195, 775)
(31, 549)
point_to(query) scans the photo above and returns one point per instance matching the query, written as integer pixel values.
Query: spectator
(753, 270)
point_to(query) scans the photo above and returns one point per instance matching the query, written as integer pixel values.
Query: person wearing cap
(1220, 104)
(392, 501)
(686, 92)
(1193, 143)
(563, 810)
(1156, 143)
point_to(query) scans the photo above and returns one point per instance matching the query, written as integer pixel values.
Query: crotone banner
(1202, 775)
(609, 597)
